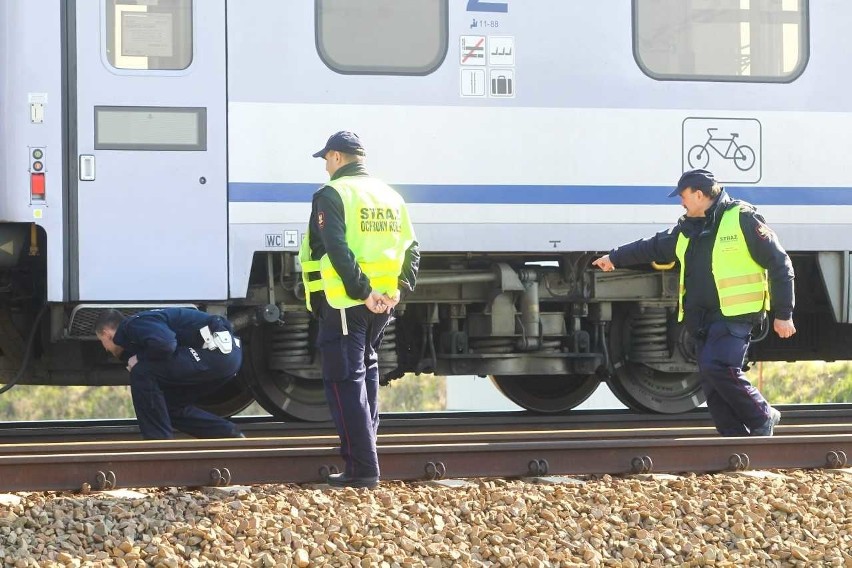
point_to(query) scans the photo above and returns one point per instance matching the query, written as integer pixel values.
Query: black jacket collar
(350, 169)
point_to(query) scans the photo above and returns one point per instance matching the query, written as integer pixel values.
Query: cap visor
(320, 154)
(674, 193)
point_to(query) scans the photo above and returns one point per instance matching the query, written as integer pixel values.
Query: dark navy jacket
(155, 334)
(701, 301)
(330, 237)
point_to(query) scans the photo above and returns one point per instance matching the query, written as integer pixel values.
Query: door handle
(87, 167)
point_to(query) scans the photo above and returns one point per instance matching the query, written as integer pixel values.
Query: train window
(150, 128)
(149, 34)
(382, 36)
(721, 40)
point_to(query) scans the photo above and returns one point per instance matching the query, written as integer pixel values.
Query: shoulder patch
(321, 219)
(764, 232)
(746, 207)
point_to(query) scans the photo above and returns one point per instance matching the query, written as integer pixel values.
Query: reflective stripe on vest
(741, 283)
(378, 232)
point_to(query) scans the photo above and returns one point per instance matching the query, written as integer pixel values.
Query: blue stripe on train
(547, 194)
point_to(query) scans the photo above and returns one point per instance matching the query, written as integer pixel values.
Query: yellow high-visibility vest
(741, 283)
(378, 232)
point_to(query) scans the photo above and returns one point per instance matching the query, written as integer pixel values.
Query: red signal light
(37, 186)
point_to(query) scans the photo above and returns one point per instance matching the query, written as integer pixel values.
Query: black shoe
(768, 427)
(343, 480)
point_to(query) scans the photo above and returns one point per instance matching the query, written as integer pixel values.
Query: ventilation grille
(84, 316)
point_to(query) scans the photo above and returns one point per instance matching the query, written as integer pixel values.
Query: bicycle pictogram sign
(730, 147)
(741, 154)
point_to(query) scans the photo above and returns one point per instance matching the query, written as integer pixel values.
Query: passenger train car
(158, 152)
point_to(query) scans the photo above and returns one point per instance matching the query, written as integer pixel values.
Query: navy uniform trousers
(736, 406)
(350, 370)
(164, 392)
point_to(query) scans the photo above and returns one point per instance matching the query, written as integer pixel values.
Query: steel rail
(154, 467)
(127, 429)
(412, 438)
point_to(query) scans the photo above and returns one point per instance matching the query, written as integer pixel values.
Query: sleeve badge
(764, 232)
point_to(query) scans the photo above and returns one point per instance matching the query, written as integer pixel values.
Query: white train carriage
(157, 152)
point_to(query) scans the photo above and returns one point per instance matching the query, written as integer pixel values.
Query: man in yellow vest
(729, 260)
(358, 256)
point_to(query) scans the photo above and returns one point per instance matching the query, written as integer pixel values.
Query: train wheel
(549, 394)
(637, 385)
(284, 395)
(231, 399)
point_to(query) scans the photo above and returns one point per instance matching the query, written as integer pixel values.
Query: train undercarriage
(547, 330)
(547, 333)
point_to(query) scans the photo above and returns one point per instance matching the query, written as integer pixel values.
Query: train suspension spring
(290, 343)
(648, 335)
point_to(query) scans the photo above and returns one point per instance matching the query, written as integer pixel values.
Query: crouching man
(175, 357)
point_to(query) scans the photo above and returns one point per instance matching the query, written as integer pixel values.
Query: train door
(150, 181)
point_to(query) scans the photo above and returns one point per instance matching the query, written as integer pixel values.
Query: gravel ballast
(792, 518)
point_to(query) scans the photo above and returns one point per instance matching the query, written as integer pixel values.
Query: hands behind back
(381, 303)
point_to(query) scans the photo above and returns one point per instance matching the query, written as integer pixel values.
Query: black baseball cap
(696, 179)
(343, 141)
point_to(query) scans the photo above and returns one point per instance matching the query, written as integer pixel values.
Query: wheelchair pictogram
(742, 155)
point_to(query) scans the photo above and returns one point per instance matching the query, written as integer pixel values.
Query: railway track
(808, 416)
(418, 448)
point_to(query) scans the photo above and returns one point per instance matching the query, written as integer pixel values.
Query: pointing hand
(604, 263)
